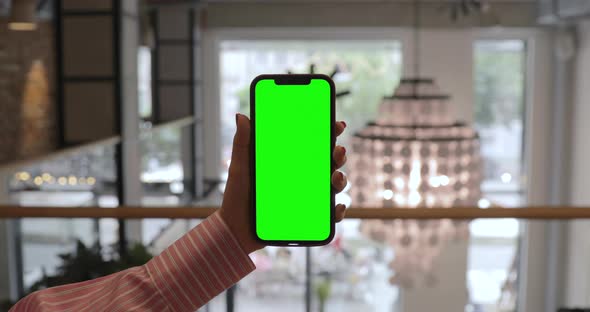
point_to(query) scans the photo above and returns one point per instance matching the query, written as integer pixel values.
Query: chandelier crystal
(415, 155)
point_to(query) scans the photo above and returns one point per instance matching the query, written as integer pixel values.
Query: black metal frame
(191, 83)
(454, 124)
(116, 13)
(87, 12)
(62, 79)
(160, 42)
(83, 79)
(117, 72)
(192, 99)
(18, 256)
(404, 139)
(156, 116)
(59, 89)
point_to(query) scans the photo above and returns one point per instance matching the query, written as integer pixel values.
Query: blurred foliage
(499, 84)
(323, 289)
(87, 263)
(6, 305)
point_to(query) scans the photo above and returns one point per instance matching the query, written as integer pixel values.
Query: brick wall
(27, 106)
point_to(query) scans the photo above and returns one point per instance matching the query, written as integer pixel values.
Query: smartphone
(292, 144)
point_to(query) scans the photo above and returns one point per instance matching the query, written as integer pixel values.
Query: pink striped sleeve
(189, 273)
(199, 266)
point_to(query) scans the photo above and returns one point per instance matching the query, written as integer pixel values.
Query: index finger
(339, 127)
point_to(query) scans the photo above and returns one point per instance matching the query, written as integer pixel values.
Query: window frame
(537, 239)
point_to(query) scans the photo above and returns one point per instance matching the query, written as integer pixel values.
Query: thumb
(240, 158)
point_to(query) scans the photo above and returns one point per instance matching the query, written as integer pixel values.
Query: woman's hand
(236, 208)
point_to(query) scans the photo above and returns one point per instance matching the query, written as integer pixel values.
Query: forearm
(199, 266)
(189, 273)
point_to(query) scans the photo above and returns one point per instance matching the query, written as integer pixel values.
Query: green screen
(293, 161)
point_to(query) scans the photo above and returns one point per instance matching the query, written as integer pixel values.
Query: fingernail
(344, 149)
(344, 123)
(237, 118)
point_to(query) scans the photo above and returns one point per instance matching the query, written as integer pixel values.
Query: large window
(350, 274)
(499, 82)
(357, 278)
(499, 74)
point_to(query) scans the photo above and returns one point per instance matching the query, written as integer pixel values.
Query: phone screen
(293, 143)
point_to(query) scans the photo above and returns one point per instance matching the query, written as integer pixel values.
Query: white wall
(533, 277)
(578, 278)
(447, 56)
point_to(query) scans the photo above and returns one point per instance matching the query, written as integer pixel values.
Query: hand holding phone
(236, 209)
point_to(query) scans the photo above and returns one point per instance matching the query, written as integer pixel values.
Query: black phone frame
(292, 79)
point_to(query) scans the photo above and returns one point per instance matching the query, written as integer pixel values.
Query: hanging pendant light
(415, 155)
(23, 15)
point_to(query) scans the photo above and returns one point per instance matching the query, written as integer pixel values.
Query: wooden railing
(199, 212)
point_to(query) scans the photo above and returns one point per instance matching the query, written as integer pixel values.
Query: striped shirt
(184, 277)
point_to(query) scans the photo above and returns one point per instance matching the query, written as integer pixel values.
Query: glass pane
(165, 157)
(277, 284)
(86, 178)
(217, 304)
(352, 273)
(499, 76)
(499, 111)
(161, 162)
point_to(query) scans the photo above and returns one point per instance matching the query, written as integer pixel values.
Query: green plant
(323, 289)
(87, 263)
(6, 305)
(499, 83)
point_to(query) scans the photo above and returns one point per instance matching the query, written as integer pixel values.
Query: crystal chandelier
(415, 155)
